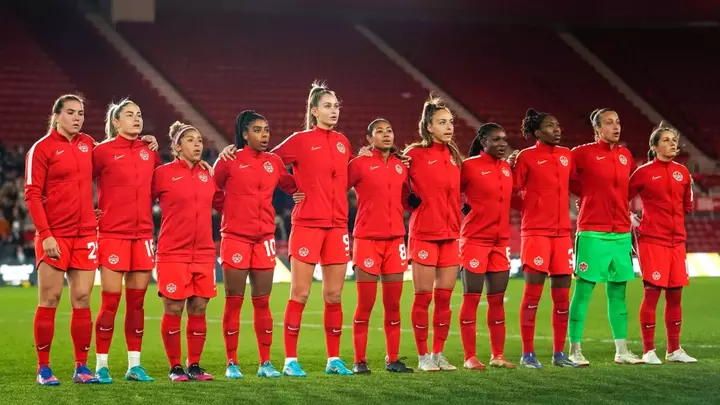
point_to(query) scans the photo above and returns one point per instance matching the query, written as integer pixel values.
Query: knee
(174, 308)
(234, 292)
(197, 306)
(49, 299)
(300, 295)
(80, 299)
(332, 297)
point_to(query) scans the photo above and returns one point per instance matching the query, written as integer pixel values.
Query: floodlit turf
(602, 383)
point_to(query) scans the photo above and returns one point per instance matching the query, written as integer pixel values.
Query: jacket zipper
(77, 184)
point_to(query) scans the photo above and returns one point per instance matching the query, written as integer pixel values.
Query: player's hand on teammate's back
(151, 141)
(405, 160)
(228, 153)
(205, 165)
(635, 220)
(298, 197)
(512, 159)
(466, 209)
(51, 248)
(364, 151)
(98, 214)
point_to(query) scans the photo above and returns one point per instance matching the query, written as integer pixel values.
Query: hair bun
(531, 112)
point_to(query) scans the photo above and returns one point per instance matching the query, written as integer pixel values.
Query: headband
(181, 131)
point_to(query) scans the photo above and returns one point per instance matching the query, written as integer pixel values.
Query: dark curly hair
(532, 122)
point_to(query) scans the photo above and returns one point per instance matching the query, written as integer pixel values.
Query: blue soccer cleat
(138, 373)
(46, 377)
(338, 367)
(83, 375)
(528, 360)
(267, 370)
(233, 372)
(293, 369)
(103, 376)
(561, 360)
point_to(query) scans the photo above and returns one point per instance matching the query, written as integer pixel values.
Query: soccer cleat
(397, 366)
(442, 362)
(627, 358)
(103, 376)
(651, 358)
(233, 372)
(338, 367)
(361, 367)
(679, 356)
(561, 360)
(293, 369)
(195, 372)
(528, 360)
(427, 363)
(177, 374)
(578, 358)
(46, 377)
(138, 373)
(474, 364)
(500, 362)
(83, 375)
(268, 370)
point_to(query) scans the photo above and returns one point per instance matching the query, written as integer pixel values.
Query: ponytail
(532, 122)
(243, 120)
(482, 133)
(655, 137)
(431, 106)
(58, 106)
(113, 113)
(317, 90)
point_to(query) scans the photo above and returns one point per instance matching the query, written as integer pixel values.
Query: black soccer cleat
(361, 367)
(177, 374)
(195, 372)
(398, 366)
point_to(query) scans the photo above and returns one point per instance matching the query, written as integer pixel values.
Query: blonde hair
(113, 113)
(58, 106)
(317, 90)
(431, 106)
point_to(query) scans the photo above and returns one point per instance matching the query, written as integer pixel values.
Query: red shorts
(437, 253)
(239, 255)
(551, 255)
(663, 266)
(75, 253)
(378, 257)
(480, 259)
(320, 245)
(179, 281)
(126, 254)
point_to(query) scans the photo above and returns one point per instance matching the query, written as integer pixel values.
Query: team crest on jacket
(268, 167)
(171, 288)
(423, 254)
(398, 168)
(237, 258)
(144, 155)
(506, 171)
(113, 259)
(203, 177)
(303, 252)
(656, 275)
(538, 261)
(474, 263)
(83, 147)
(369, 262)
(677, 176)
(622, 159)
(583, 266)
(340, 147)
(564, 161)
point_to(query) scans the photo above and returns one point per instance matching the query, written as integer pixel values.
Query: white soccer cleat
(427, 363)
(442, 362)
(628, 358)
(578, 358)
(679, 356)
(651, 358)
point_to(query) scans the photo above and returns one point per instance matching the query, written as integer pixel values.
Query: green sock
(617, 309)
(578, 308)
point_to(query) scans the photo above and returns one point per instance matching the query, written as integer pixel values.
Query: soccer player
(123, 168)
(379, 245)
(665, 188)
(58, 194)
(185, 251)
(600, 177)
(434, 229)
(248, 229)
(486, 181)
(542, 175)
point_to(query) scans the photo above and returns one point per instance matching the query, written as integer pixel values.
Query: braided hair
(532, 122)
(242, 122)
(482, 133)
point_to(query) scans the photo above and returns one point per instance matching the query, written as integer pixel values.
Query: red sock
(673, 318)
(105, 322)
(81, 326)
(441, 318)
(647, 317)
(231, 326)
(195, 333)
(293, 319)
(561, 307)
(263, 322)
(419, 316)
(170, 331)
(391, 293)
(44, 328)
(468, 318)
(333, 328)
(134, 318)
(495, 319)
(528, 312)
(367, 292)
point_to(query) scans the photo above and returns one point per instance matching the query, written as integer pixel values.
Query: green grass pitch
(602, 383)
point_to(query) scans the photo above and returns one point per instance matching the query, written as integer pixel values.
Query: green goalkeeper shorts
(603, 256)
